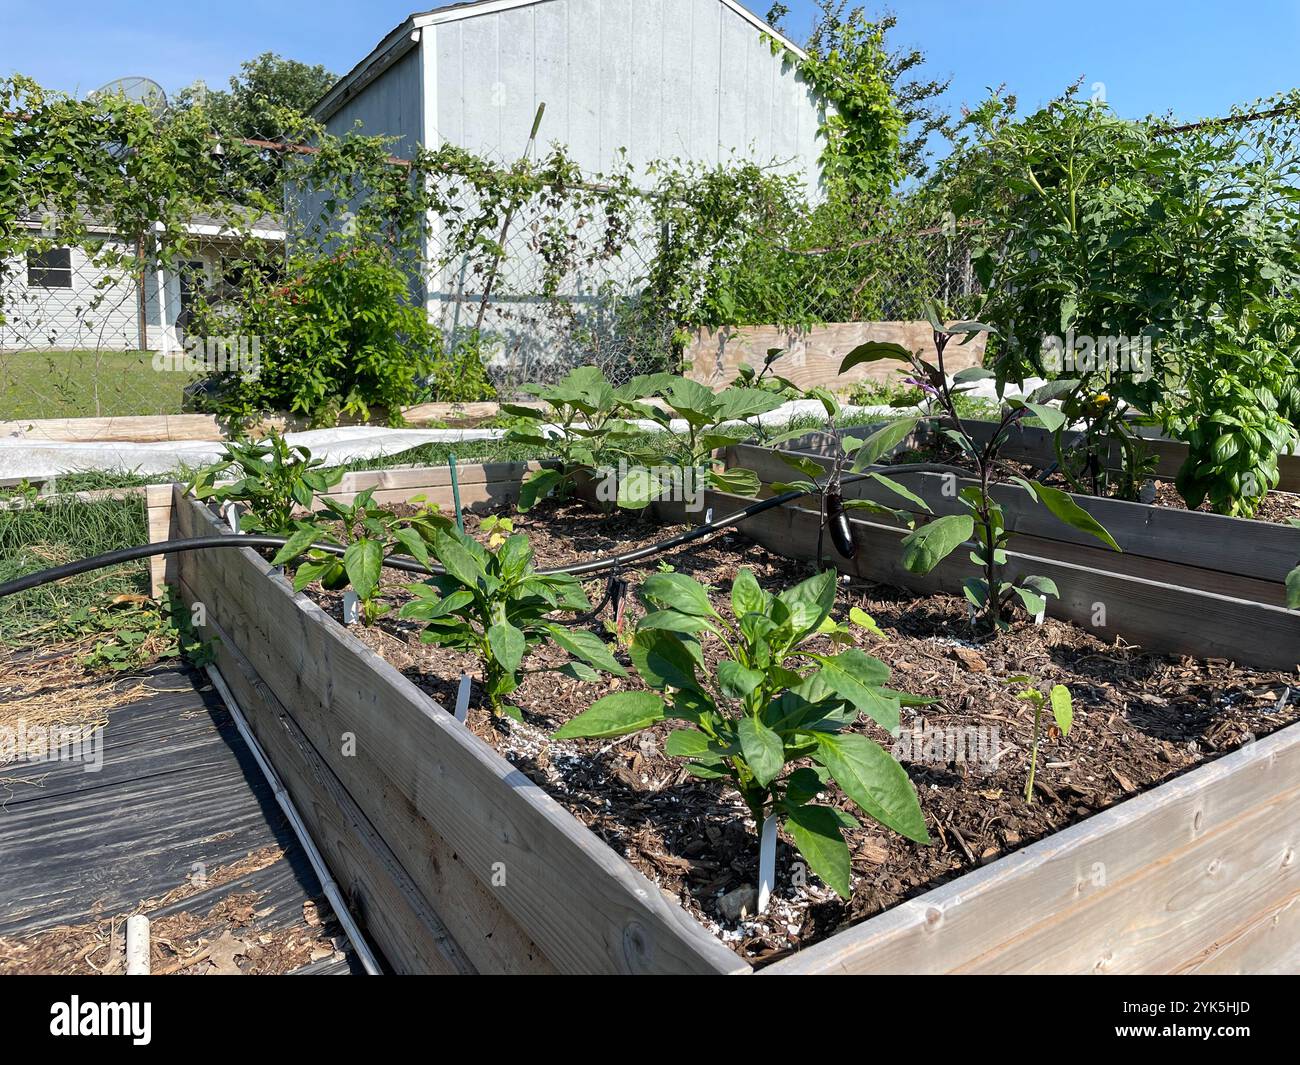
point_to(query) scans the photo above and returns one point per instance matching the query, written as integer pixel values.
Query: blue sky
(1194, 57)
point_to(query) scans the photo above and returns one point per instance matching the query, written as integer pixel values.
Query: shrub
(344, 336)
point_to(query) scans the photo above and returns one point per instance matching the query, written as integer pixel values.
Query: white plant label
(232, 517)
(462, 698)
(351, 607)
(766, 862)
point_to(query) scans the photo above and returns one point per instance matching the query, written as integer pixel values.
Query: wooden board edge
(923, 917)
(382, 895)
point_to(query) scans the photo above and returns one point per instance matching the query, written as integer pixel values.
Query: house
(623, 82)
(77, 299)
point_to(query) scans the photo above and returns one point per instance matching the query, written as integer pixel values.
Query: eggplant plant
(1062, 710)
(829, 492)
(492, 603)
(270, 477)
(369, 533)
(582, 424)
(713, 420)
(926, 546)
(773, 717)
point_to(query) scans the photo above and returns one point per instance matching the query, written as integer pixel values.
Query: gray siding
(390, 105)
(657, 79)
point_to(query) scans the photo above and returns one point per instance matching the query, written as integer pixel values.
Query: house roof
(263, 227)
(405, 36)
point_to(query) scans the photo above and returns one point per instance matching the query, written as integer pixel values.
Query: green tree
(853, 49)
(266, 100)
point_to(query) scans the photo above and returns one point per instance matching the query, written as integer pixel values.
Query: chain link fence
(555, 278)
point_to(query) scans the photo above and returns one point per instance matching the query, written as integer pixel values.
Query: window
(49, 269)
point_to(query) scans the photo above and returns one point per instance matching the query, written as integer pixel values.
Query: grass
(36, 538)
(86, 384)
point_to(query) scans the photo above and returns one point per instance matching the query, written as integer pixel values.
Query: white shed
(625, 82)
(658, 79)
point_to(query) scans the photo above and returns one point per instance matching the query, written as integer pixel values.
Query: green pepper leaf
(614, 715)
(762, 748)
(364, 562)
(870, 776)
(816, 832)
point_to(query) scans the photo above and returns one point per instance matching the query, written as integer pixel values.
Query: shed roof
(403, 37)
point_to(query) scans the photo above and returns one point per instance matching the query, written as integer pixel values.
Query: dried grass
(55, 691)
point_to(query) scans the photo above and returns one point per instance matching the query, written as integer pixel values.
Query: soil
(1139, 719)
(227, 939)
(1276, 507)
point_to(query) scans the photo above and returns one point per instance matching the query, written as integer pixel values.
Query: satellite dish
(139, 90)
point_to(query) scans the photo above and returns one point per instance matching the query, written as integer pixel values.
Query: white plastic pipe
(137, 945)
(368, 960)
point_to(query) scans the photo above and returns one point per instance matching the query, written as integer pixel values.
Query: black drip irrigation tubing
(410, 565)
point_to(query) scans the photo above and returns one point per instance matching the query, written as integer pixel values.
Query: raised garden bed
(1240, 558)
(458, 860)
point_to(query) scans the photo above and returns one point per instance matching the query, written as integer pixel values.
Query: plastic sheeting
(41, 459)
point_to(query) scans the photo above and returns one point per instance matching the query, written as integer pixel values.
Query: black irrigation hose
(408, 565)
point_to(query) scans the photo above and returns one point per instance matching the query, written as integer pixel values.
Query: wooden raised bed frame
(457, 863)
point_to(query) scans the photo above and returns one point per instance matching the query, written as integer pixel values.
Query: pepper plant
(773, 717)
(492, 603)
(925, 547)
(712, 420)
(581, 424)
(271, 478)
(369, 533)
(1062, 710)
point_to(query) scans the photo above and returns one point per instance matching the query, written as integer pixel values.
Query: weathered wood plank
(486, 934)
(586, 908)
(395, 914)
(1268, 945)
(1124, 891)
(158, 510)
(1263, 551)
(138, 428)
(418, 477)
(813, 356)
(1150, 613)
(1030, 443)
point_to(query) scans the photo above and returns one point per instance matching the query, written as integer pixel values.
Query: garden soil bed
(1276, 507)
(1139, 720)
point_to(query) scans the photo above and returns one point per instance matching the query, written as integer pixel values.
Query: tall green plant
(1098, 233)
(343, 336)
(582, 424)
(711, 421)
(928, 545)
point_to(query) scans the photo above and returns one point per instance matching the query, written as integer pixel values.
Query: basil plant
(773, 717)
